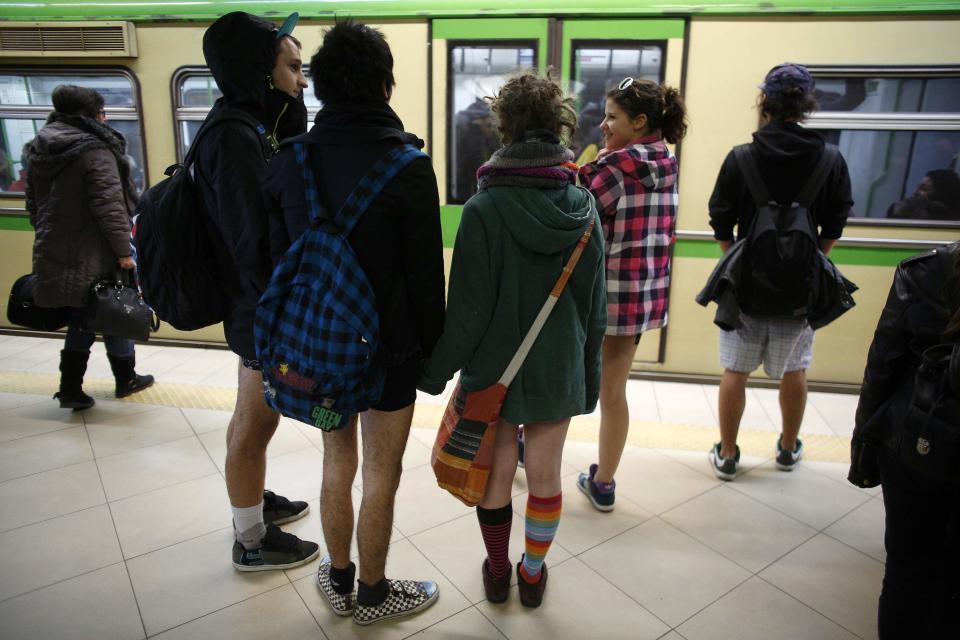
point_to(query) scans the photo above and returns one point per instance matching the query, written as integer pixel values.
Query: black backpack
(781, 266)
(176, 251)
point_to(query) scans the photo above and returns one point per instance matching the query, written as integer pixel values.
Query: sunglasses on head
(625, 84)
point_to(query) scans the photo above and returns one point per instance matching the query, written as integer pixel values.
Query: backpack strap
(751, 175)
(366, 191)
(209, 125)
(828, 158)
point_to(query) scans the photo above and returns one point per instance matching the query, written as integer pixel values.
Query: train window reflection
(888, 95)
(26, 101)
(902, 175)
(598, 66)
(196, 91)
(477, 71)
(899, 131)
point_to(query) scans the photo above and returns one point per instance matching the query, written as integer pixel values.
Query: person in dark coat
(786, 154)
(80, 197)
(920, 590)
(257, 68)
(399, 246)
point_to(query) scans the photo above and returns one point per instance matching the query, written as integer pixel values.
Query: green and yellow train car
(888, 78)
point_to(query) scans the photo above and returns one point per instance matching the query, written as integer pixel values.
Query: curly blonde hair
(529, 101)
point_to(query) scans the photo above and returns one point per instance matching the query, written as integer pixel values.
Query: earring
(270, 82)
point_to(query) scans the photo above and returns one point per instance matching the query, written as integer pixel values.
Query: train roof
(156, 10)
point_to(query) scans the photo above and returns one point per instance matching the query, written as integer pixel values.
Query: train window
(196, 91)
(25, 102)
(477, 70)
(598, 66)
(899, 131)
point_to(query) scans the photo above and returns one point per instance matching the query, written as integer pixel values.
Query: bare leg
(384, 440)
(793, 400)
(544, 455)
(503, 468)
(733, 399)
(336, 495)
(618, 352)
(251, 427)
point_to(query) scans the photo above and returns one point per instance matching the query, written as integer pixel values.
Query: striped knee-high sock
(495, 529)
(543, 518)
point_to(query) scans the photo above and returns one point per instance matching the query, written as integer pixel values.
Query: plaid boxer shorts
(781, 345)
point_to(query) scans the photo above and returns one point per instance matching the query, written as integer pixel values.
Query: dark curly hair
(529, 102)
(662, 105)
(354, 64)
(789, 105)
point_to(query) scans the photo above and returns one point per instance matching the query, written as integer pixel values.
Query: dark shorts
(400, 388)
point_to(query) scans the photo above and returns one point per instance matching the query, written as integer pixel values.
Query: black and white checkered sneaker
(341, 604)
(406, 597)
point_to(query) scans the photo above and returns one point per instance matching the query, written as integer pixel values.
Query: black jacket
(231, 162)
(914, 318)
(833, 300)
(786, 154)
(397, 241)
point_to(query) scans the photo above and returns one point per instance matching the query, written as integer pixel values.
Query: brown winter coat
(80, 198)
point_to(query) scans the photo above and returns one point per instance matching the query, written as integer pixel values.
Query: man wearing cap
(257, 68)
(786, 155)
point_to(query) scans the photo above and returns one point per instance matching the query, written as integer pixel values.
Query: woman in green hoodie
(514, 238)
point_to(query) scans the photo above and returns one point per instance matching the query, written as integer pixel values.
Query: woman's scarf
(539, 163)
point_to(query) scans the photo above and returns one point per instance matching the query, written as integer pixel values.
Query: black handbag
(116, 308)
(22, 311)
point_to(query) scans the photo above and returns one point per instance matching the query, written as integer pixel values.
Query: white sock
(248, 525)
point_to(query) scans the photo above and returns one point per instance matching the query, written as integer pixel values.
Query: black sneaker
(406, 597)
(342, 604)
(787, 460)
(279, 510)
(277, 550)
(723, 468)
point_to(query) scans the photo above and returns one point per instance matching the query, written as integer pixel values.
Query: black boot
(73, 364)
(127, 379)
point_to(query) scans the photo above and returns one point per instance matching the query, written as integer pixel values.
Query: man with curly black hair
(398, 245)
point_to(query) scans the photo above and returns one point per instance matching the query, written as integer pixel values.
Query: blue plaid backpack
(317, 328)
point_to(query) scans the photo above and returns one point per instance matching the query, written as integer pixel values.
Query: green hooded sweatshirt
(511, 247)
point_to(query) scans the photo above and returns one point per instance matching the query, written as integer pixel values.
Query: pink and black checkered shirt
(636, 192)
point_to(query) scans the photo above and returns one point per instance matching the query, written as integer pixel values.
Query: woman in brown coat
(80, 197)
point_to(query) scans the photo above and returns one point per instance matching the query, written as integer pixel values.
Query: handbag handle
(515, 363)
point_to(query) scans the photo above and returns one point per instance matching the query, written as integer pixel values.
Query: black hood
(786, 144)
(240, 49)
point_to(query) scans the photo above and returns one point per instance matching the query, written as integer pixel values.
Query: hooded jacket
(79, 197)
(786, 155)
(397, 241)
(914, 318)
(511, 247)
(636, 192)
(230, 162)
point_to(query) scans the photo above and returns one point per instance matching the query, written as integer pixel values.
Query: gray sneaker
(405, 598)
(787, 460)
(342, 604)
(723, 468)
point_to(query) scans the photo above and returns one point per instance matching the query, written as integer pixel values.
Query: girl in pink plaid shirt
(634, 181)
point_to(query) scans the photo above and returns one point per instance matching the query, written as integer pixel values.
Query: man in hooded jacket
(258, 70)
(786, 154)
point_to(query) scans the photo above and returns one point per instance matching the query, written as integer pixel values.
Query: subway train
(888, 85)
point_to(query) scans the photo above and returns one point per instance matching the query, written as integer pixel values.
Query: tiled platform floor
(115, 525)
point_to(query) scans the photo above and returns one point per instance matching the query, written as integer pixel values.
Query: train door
(595, 55)
(471, 59)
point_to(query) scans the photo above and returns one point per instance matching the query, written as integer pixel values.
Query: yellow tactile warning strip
(651, 435)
